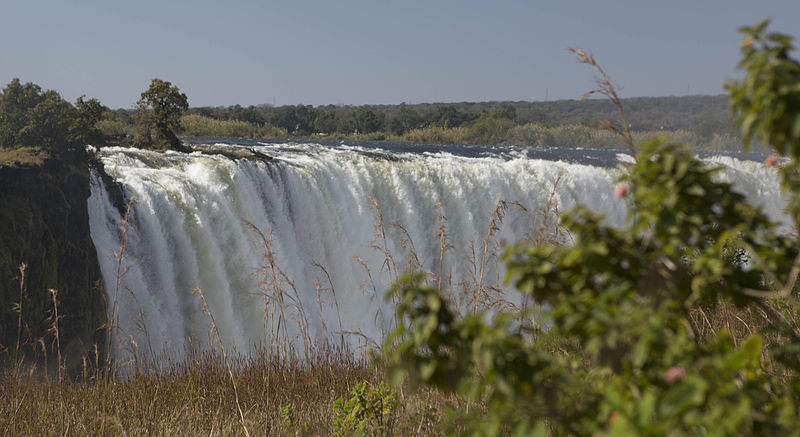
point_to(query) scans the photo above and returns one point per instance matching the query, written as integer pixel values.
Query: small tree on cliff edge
(160, 109)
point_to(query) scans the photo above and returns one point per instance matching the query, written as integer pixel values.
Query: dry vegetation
(197, 398)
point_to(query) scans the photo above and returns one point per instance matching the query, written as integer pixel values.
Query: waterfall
(342, 221)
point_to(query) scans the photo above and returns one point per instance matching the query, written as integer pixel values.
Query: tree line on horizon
(30, 116)
(705, 114)
(703, 122)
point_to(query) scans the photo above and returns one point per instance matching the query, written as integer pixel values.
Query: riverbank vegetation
(702, 122)
(37, 124)
(685, 323)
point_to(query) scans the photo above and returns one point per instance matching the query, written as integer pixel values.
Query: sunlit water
(195, 218)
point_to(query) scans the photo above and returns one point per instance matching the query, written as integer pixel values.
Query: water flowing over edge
(303, 246)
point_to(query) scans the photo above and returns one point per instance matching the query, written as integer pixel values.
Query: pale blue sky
(357, 52)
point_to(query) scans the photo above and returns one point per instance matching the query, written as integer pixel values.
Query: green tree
(363, 121)
(15, 102)
(489, 130)
(251, 114)
(297, 120)
(32, 118)
(766, 102)
(47, 124)
(614, 348)
(83, 128)
(160, 109)
(504, 111)
(449, 116)
(325, 120)
(405, 120)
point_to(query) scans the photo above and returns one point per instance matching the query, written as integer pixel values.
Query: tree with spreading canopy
(160, 110)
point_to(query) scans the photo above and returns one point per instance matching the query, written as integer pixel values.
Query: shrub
(436, 135)
(489, 130)
(200, 126)
(368, 411)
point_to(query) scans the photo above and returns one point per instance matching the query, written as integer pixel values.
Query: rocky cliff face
(44, 223)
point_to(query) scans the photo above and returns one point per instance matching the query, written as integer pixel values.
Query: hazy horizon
(361, 52)
(466, 102)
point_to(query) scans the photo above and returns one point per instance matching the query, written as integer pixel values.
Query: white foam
(190, 229)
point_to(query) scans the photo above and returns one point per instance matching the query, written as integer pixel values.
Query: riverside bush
(368, 411)
(198, 125)
(620, 352)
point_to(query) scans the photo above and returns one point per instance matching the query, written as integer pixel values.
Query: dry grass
(197, 398)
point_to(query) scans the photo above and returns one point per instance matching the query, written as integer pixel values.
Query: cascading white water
(194, 219)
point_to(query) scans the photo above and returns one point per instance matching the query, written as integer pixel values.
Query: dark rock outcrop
(44, 222)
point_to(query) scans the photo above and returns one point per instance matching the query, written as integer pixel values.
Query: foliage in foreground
(620, 352)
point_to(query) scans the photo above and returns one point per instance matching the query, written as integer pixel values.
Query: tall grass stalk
(206, 310)
(281, 295)
(488, 253)
(444, 245)
(54, 318)
(120, 272)
(335, 302)
(606, 88)
(18, 309)
(373, 292)
(379, 242)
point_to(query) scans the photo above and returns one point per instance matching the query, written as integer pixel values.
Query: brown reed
(206, 310)
(606, 88)
(17, 308)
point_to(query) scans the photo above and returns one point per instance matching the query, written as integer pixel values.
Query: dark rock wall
(44, 222)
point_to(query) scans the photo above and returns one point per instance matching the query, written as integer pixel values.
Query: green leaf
(748, 353)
